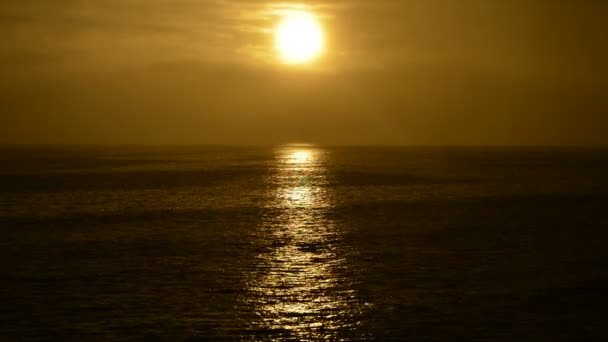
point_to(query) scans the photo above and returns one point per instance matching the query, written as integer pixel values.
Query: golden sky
(394, 72)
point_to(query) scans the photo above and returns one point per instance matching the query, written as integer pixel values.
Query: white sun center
(299, 37)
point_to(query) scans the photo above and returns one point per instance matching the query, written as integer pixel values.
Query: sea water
(303, 243)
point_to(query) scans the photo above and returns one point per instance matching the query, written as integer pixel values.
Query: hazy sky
(395, 72)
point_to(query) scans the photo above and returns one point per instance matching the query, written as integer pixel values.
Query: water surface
(303, 243)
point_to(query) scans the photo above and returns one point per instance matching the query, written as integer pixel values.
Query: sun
(299, 37)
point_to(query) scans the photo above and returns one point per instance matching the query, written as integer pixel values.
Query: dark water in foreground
(303, 243)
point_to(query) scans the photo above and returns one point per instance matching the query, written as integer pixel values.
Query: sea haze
(303, 242)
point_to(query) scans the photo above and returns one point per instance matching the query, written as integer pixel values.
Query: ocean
(303, 243)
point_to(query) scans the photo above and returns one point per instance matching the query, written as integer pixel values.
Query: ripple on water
(301, 286)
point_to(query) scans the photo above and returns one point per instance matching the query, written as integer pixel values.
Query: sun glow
(300, 157)
(299, 37)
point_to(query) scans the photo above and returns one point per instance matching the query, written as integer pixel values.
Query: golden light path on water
(301, 288)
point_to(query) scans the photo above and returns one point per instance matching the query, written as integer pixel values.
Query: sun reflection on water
(300, 288)
(300, 157)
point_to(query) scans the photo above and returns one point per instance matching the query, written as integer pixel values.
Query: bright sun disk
(299, 37)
